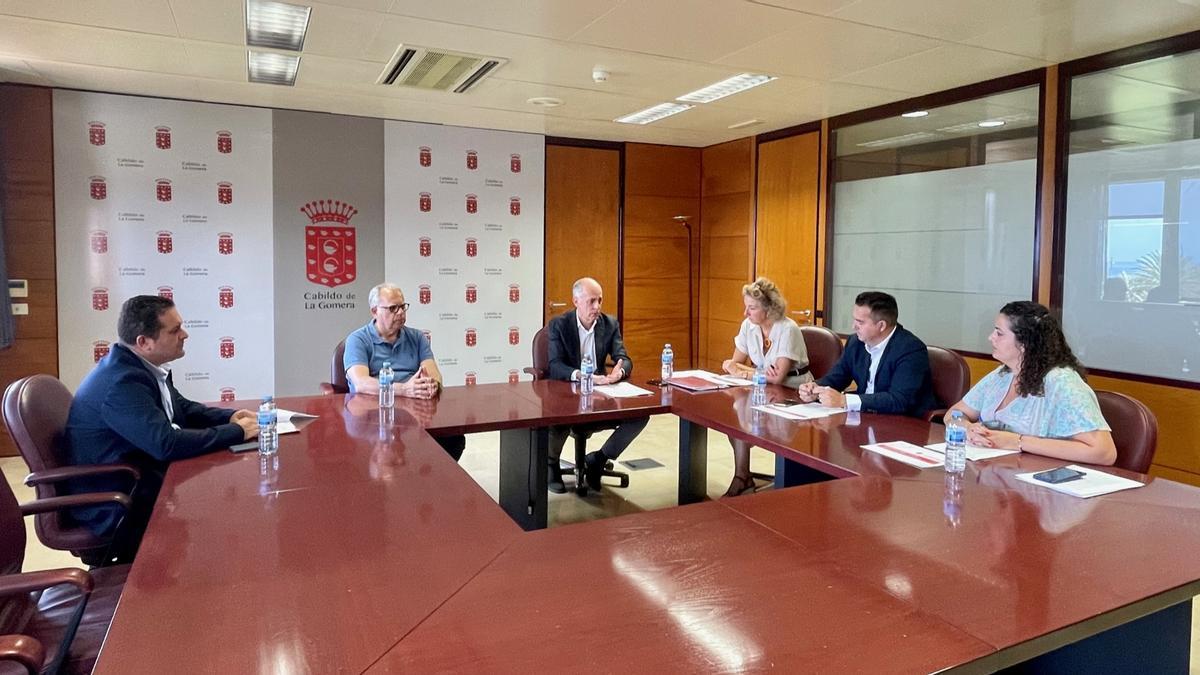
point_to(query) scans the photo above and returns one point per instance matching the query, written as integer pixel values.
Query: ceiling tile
(341, 32)
(822, 48)
(216, 61)
(697, 30)
(142, 16)
(807, 6)
(212, 20)
(945, 20)
(43, 40)
(1076, 31)
(546, 18)
(942, 68)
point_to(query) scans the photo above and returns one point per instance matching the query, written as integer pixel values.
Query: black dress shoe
(554, 479)
(594, 469)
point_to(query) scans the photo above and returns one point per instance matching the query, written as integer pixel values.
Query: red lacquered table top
(369, 548)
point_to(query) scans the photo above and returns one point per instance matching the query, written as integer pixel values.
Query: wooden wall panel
(786, 248)
(661, 182)
(583, 202)
(27, 205)
(727, 245)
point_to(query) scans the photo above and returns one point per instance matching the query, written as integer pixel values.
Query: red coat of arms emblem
(329, 243)
(96, 134)
(228, 394)
(100, 349)
(99, 240)
(225, 297)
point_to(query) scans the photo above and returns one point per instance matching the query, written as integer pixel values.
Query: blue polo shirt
(365, 347)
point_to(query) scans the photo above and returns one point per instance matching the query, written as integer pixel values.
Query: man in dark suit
(127, 410)
(586, 329)
(889, 365)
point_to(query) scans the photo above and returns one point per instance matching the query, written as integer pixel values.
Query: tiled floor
(649, 489)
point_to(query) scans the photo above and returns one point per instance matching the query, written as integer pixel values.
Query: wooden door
(786, 230)
(583, 216)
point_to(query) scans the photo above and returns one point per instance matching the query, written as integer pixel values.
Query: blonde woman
(770, 340)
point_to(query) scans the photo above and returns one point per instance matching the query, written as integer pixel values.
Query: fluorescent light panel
(272, 68)
(726, 87)
(276, 25)
(653, 113)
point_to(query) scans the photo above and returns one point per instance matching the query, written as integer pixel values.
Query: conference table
(362, 547)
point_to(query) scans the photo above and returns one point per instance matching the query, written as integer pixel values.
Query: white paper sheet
(621, 390)
(908, 453)
(974, 452)
(1091, 485)
(282, 415)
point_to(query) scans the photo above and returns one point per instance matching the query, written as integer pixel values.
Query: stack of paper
(908, 453)
(802, 411)
(697, 378)
(1092, 484)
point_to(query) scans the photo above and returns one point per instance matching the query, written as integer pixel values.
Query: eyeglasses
(393, 309)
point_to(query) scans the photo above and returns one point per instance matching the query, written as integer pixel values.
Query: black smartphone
(1060, 475)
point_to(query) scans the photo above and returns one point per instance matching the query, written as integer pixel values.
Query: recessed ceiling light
(725, 88)
(744, 123)
(988, 124)
(545, 101)
(272, 68)
(653, 113)
(277, 25)
(915, 113)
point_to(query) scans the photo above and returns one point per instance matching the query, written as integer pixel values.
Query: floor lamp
(683, 220)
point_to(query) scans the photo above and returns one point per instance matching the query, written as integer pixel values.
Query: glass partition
(938, 208)
(1131, 269)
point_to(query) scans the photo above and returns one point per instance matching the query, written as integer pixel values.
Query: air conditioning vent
(437, 69)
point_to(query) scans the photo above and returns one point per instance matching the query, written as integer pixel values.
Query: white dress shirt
(854, 401)
(160, 374)
(587, 345)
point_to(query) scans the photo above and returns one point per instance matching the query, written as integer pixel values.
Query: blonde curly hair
(767, 294)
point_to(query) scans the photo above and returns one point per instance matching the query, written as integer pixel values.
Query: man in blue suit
(889, 365)
(127, 410)
(587, 329)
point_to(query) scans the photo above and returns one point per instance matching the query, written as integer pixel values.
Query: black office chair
(580, 433)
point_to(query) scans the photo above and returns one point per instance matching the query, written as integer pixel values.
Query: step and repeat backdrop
(463, 237)
(269, 228)
(173, 199)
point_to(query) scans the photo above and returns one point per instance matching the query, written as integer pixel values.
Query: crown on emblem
(329, 210)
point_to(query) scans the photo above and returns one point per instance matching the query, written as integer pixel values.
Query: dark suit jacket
(903, 384)
(564, 346)
(118, 416)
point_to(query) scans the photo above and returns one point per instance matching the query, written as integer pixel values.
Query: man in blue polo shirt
(386, 338)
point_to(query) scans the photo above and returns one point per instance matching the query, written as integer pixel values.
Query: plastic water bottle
(759, 394)
(387, 396)
(268, 434)
(668, 363)
(586, 370)
(956, 442)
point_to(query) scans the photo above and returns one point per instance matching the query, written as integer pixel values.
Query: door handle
(554, 305)
(806, 313)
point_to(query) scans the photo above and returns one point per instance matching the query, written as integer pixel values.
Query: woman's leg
(742, 482)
